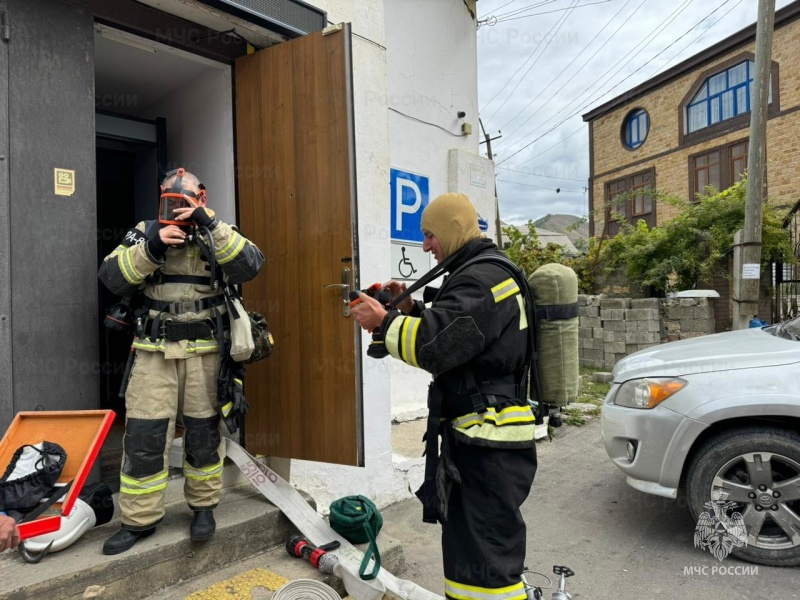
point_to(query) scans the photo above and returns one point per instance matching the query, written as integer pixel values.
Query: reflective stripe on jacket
(477, 321)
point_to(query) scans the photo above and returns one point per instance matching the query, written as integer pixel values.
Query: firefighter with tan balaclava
(472, 335)
(179, 263)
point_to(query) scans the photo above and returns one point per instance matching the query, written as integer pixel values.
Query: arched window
(635, 128)
(722, 96)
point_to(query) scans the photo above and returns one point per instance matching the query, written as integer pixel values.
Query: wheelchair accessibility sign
(409, 262)
(409, 197)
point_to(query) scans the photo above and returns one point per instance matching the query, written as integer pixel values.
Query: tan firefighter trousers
(158, 389)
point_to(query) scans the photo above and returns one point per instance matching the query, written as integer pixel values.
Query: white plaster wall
(473, 175)
(432, 75)
(200, 134)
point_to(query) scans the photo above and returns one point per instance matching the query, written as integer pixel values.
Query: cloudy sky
(544, 63)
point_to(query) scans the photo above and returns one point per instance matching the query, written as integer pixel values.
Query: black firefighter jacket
(477, 321)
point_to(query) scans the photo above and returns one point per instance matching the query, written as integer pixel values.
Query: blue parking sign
(409, 198)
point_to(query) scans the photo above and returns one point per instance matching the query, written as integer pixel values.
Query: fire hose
(345, 560)
(302, 589)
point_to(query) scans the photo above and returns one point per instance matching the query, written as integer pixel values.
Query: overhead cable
(625, 60)
(564, 70)
(557, 25)
(547, 12)
(617, 84)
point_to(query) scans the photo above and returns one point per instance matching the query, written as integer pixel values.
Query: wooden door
(296, 177)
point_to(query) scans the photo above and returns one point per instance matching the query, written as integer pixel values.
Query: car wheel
(743, 490)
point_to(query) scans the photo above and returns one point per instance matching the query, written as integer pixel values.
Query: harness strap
(209, 252)
(427, 493)
(500, 386)
(159, 278)
(174, 331)
(474, 393)
(221, 322)
(459, 400)
(557, 312)
(177, 308)
(155, 327)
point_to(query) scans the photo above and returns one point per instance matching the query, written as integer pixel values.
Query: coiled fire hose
(319, 532)
(358, 520)
(303, 589)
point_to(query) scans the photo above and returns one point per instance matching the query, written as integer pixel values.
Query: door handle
(345, 287)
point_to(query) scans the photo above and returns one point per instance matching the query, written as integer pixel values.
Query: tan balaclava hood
(453, 220)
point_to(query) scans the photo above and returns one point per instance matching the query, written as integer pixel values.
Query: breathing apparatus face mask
(177, 196)
(170, 202)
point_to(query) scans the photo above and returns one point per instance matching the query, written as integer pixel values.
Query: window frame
(710, 100)
(740, 121)
(625, 185)
(636, 113)
(725, 164)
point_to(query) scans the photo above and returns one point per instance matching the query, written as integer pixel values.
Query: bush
(526, 251)
(679, 254)
(689, 248)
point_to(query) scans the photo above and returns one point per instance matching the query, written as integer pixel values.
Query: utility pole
(494, 177)
(749, 275)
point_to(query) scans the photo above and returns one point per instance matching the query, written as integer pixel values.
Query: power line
(491, 20)
(498, 8)
(562, 71)
(657, 31)
(558, 143)
(549, 40)
(542, 175)
(617, 84)
(521, 10)
(561, 20)
(664, 66)
(530, 185)
(547, 12)
(647, 40)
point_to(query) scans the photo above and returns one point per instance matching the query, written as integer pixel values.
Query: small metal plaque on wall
(64, 181)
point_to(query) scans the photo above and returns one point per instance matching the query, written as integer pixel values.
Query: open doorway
(127, 176)
(157, 108)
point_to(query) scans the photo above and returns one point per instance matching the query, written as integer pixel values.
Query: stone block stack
(612, 328)
(687, 318)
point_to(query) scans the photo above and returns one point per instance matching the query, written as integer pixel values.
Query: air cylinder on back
(555, 292)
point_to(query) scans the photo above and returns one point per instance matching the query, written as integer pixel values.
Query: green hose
(357, 520)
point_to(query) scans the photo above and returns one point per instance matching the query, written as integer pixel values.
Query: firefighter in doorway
(180, 263)
(473, 338)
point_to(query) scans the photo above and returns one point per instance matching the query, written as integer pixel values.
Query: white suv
(717, 415)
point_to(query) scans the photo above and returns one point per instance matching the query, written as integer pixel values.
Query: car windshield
(789, 330)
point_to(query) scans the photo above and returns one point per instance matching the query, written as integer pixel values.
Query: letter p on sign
(409, 197)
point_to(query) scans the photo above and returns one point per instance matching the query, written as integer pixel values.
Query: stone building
(687, 128)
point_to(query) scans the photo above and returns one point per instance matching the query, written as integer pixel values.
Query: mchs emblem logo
(720, 529)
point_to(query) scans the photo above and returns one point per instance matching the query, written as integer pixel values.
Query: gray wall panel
(6, 382)
(53, 243)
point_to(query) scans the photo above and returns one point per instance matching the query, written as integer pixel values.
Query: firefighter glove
(156, 247)
(202, 216)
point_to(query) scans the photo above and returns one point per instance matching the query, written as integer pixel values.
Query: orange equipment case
(80, 432)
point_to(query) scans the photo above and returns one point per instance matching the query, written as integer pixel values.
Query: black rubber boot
(203, 525)
(124, 540)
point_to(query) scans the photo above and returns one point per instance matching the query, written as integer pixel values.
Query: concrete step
(247, 526)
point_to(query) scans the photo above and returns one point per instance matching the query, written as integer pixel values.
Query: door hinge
(5, 30)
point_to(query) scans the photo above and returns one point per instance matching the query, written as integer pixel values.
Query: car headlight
(647, 392)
